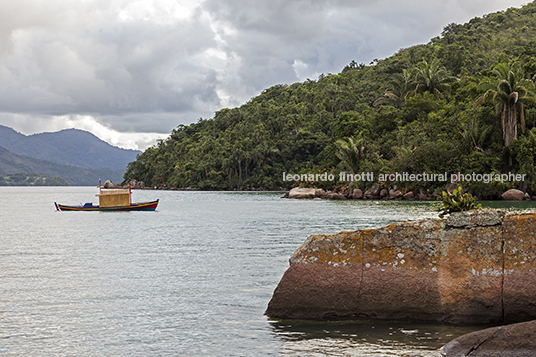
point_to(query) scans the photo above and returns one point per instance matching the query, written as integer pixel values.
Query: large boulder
(383, 193)
(357, 194)
(516, 340)
(299, 192)
(474, 267)
(513, 195)
(409, 196)
(373, 192)
(394, 194)
(137, 184)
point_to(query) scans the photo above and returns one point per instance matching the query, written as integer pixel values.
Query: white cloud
(31, 124)
(302, 71)
(146, 66)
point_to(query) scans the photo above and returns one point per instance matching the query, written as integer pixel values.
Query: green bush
(455, 202)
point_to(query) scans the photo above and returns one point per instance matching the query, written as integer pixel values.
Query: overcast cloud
(131, 71)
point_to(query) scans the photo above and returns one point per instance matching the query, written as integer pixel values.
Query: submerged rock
(475, 268)
(516, 340)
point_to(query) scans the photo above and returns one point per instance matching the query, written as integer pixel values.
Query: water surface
(192, 278)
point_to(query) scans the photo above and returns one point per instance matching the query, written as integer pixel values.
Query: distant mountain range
(68, 147)
(77, 156)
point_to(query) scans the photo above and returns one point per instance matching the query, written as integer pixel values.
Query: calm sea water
(192, 278)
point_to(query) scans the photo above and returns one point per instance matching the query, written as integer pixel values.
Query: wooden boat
(112, 200)
(141, 206)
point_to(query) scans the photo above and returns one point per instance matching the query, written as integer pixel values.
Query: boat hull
(142, 206)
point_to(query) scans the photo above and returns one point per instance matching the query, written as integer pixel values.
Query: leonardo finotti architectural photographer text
(406, 177)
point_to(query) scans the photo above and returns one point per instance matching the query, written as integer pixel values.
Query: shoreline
(326, 195)
(376, 192)
(392, 194)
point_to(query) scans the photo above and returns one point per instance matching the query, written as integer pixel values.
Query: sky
(130, 71)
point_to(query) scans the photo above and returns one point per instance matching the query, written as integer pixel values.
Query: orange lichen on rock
(519, 267)
(468, 268)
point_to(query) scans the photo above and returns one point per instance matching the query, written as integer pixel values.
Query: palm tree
(432, 77)
(473, 135)
(351, 152)
(510, 93)
(399, 89)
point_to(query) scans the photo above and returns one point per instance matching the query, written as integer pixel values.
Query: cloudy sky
(130, 71)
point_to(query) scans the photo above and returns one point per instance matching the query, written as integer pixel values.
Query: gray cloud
(139, 66)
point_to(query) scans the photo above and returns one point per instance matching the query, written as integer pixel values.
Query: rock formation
(515, 340)
(513, 195)
(357, 194)
(375, 192)
(472, 267)
(300, 193)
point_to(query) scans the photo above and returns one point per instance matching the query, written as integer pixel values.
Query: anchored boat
(112, 200)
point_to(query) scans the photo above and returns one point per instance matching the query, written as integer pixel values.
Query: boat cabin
(114, 198)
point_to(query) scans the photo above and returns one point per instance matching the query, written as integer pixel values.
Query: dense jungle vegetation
(464, 102)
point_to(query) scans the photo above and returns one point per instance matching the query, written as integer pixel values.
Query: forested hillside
(464, 102)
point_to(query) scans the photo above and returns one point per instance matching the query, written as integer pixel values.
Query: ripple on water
(192, 278)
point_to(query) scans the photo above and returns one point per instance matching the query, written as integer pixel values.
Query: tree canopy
(510, 92)
(452, 105)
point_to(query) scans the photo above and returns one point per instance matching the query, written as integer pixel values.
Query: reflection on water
(510, 206)
(365, 337)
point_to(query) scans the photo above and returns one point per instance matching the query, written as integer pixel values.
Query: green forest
(464, 102)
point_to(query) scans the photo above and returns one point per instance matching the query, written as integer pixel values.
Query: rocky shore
(475, 267)
(376, 192)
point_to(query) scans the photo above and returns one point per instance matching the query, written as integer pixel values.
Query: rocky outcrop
(475, 267)
(374, 193)
(108, 184)
(516, 340)
(137, 184)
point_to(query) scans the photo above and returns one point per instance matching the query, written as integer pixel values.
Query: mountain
(422, 110)
(68, 147)
(11, 163)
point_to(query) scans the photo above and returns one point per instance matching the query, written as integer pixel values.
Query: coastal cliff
(474, 267)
